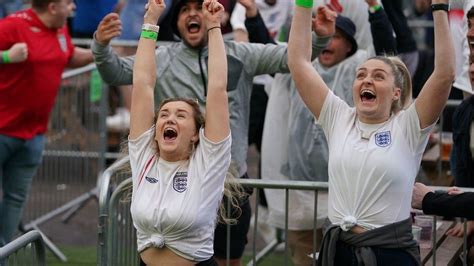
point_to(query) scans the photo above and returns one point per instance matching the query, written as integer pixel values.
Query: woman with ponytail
(375, 148)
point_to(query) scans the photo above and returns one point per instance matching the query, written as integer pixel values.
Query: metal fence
(117, 236)
(121, 235)
(75, 148)
(114, 216)
(28, 249)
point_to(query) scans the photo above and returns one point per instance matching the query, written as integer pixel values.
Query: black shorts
(238, 235)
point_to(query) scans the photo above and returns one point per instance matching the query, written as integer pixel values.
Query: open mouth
(194, 27)
(170, 134)
(327, 52)
(367, 96)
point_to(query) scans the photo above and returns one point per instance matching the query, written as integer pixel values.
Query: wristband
(443, 7)
(374, 9)
(304, 3)
(149, 35)
(5, 57)
(151, 27)
(211, 28)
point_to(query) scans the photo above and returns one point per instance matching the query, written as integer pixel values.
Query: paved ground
(80, 230)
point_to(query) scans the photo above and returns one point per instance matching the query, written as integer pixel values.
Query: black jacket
(462, 164)
(443, 204)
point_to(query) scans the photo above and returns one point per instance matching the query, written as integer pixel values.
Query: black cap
(348, 28)
(177, 5)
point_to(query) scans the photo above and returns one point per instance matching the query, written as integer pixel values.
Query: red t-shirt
(28, 89)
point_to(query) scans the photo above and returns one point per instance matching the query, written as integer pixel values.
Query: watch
(151, 27)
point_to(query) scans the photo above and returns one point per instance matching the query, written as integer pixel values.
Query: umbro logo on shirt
(151, 179)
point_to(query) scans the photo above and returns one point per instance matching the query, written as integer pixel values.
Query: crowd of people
(332, 91)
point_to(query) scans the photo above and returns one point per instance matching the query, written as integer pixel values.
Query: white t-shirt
(371, 180)
(174, 204)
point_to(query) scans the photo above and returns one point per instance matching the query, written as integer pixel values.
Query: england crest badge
(62, 42)
(383, 139)
(180, 181)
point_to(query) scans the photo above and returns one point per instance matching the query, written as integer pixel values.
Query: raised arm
(257, 30)
(109, 27)
(144, 73)
(217, 111)
(113, 69)
(381, 28)
(311, 87)
(252, 22)
(435, 92)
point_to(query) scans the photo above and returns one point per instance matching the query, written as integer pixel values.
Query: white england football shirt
(371, 180)
(174, 204)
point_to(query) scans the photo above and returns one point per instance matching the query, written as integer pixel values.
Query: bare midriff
(358, 230)
(162, 257)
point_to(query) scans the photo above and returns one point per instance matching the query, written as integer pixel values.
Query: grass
(273, 259)
(82, 256)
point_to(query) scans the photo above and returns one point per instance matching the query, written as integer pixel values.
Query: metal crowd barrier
(75, 150)
(316, 187)
(117, 236)
(109, 186)
(121, 235)
(28, 249)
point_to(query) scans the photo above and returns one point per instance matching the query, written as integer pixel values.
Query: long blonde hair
(235, 194)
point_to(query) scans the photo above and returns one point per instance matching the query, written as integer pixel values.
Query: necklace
(367, 130)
